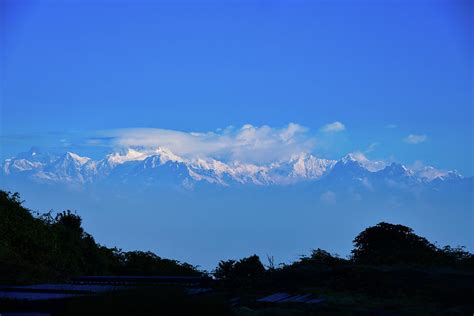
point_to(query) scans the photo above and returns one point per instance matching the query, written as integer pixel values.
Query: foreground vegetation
(391, 269)
(40, 247)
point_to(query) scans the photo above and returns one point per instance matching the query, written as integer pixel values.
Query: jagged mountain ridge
(162, 165)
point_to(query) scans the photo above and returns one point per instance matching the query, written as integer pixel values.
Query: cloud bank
(415, 139)
(333, 127)
(247, 144)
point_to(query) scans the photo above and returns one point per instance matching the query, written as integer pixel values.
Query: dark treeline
(39, 247)
(383, 247)
(390, 268)
(42, 247)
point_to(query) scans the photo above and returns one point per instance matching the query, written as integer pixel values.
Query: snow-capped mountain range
(162, 165)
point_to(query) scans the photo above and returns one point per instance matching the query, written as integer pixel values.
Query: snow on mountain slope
(370, 165)
(129, 155)
(161, 165)
(429, 173)
(308, 166)
(20, 165)
(70, 167)
(32, 160)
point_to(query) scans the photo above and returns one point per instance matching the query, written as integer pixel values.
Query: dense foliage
(390, 267)
(246, 271)
(37, 247)
(390, 244)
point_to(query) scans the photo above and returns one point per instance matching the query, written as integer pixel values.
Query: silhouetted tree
(225, 270)
(70, 222)
(387, 243)
(44, 248)
(321, 257)
(457, 256)
(247, 271)
(250, 267)
(148, 263)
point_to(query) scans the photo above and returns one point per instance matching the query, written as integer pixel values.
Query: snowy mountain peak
(19, 165)
(363, 161)
(308, 166)
(166, 155)
(161, 164)
(349, 162)
(453, 174)
(76, 158)
(35, 154)
(397, 170)
(34, 151)
(349, 158)
(129, 155)
(429, 173)
(153, 158)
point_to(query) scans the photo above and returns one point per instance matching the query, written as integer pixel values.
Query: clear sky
(384, 69)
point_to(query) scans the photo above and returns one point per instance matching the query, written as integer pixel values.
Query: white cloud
(427, 172)
(415, 139)
(371, 148)
(390, 126)
(328, 197)
(371, 165)
(333, 127)
(247, 144)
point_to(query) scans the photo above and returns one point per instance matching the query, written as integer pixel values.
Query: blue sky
(384, 69)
